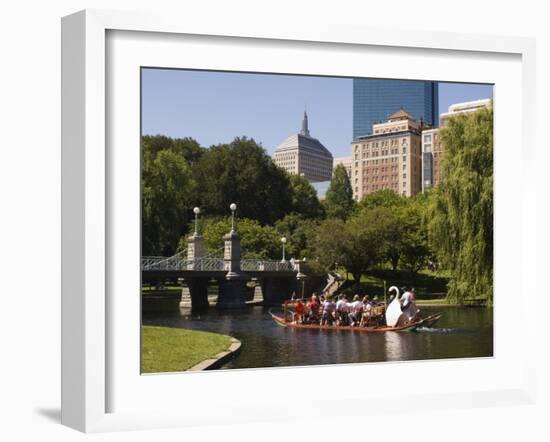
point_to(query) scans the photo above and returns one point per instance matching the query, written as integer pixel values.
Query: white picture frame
(88, 321)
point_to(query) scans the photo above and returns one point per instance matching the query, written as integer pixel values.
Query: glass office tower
(375, 100)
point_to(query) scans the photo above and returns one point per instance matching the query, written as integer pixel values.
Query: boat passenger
(367, 311)
(344, 311)
(329, 307)
(313, 309)
(299, 312)
(354, 311)
(340, 310)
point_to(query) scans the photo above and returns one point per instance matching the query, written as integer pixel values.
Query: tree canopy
(382, 198)
(257, 241)
(241, 172)
(354, 244)
(298, 230)
(167, 197)
(188, 148)
(304, 198)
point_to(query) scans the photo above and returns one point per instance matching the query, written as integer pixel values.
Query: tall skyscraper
(375, 100)
(301, 154)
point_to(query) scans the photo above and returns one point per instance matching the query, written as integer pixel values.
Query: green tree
(461, 209)
(392, 233)
(304, 198)
(401, 230)
(298, 231)
(389, 206)
(241, 172)
(167, 194)
(188, 148)
(414, 249)
(339, 202)
(383, 198)
(257, 241)
(355, 244)
(326, 244)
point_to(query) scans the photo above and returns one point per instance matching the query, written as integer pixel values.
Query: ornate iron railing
(179, 262)
(211, 263)
(258, 265)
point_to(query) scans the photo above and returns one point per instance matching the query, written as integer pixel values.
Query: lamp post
(283, 241)
(233, 207)
(196, 211)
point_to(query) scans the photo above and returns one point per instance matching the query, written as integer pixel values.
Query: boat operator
(408, 305)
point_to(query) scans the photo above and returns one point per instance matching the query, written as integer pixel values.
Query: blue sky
(215, 107)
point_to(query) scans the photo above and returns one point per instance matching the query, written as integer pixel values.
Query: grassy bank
(433, 302)
(429, 286)
(172, 349)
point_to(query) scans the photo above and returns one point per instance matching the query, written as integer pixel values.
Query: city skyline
(216, 107)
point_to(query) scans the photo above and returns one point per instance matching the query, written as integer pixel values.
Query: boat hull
(425, 322)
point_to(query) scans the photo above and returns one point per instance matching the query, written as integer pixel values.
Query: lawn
(166, 349)
(428, 285)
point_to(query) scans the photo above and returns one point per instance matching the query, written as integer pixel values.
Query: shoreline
(221, 358)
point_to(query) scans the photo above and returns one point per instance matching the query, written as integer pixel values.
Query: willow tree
(461, 210)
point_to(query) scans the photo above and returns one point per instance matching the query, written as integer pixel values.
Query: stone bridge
(274, 281)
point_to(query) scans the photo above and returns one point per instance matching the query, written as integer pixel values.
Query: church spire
(305, 129)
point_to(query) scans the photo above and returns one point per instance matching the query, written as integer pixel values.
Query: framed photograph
(250, 210)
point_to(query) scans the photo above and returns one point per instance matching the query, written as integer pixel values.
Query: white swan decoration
(393, 312)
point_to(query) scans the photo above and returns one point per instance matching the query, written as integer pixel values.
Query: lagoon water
(462, 332)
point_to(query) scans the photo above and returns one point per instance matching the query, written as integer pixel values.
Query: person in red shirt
(299, 312)
(314, 309)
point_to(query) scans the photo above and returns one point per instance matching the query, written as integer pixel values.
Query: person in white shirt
(329, 307)
(341, 310)
(354, 311)
(408, 306)
(367, 311)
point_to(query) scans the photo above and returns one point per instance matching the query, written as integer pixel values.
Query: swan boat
(408, 327)
(392, 316)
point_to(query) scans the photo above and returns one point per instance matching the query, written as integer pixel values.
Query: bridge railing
(148, 261)
(207, 264)
(180, 262)
(211, 263)
(258, 265)
(172, 263)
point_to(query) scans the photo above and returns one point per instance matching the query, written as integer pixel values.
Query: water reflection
(461, 332)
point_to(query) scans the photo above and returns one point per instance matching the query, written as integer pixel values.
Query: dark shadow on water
(51, 414)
